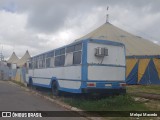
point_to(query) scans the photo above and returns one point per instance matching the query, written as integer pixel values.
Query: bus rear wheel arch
(55, 90)
(30, 83)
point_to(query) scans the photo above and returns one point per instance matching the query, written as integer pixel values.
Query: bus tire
(55, 90)
(30, 83)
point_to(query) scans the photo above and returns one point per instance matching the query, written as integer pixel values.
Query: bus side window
(57, 61)
(43, 63)
(78, 47)
(40, 63)
(36, 64)
(62, 51)
(57, 52)
(60, 57)
(48, 60)
(50, 54)
(30, 65)
(77, 57)
(69, 49)
(62, 60)
(52, 62)
(73, 54)
(69, 59)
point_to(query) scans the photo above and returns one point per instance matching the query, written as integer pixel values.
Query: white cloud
(12, 26)
(42, 25)
(15, 36)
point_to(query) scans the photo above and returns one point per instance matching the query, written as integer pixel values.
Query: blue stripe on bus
(125, 61)
(58, 79)
(42, 85)
(110, 81)
(70, 90)
(98, 85)
(84, 69)
(41, 77)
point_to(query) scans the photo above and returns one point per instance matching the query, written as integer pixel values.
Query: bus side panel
(69, 84)
(116, 54)
(66, 76)
(70, 72)
(106, 73)
(40, 81)
(111, 67)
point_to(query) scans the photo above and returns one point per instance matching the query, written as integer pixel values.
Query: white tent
(24, 59)
(13, 59)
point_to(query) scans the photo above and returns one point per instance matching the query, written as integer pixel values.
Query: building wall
(4, 71)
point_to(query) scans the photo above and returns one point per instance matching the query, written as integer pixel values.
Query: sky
(42, 25)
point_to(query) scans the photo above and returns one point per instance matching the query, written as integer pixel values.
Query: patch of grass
(155, 89)
(116, 103)
(154, 105)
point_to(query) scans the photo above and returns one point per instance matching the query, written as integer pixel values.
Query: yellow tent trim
(157, 65)
(130, 63)
(143, 63)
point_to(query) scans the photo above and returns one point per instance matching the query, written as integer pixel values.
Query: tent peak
(108, 23)
(13, 58)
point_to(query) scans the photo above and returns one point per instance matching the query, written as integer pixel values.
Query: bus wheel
(55, 90)
(30, 83)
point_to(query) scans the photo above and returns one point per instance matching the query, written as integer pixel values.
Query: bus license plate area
(108, 85)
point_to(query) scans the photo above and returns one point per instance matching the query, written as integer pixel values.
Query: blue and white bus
(86, 66)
